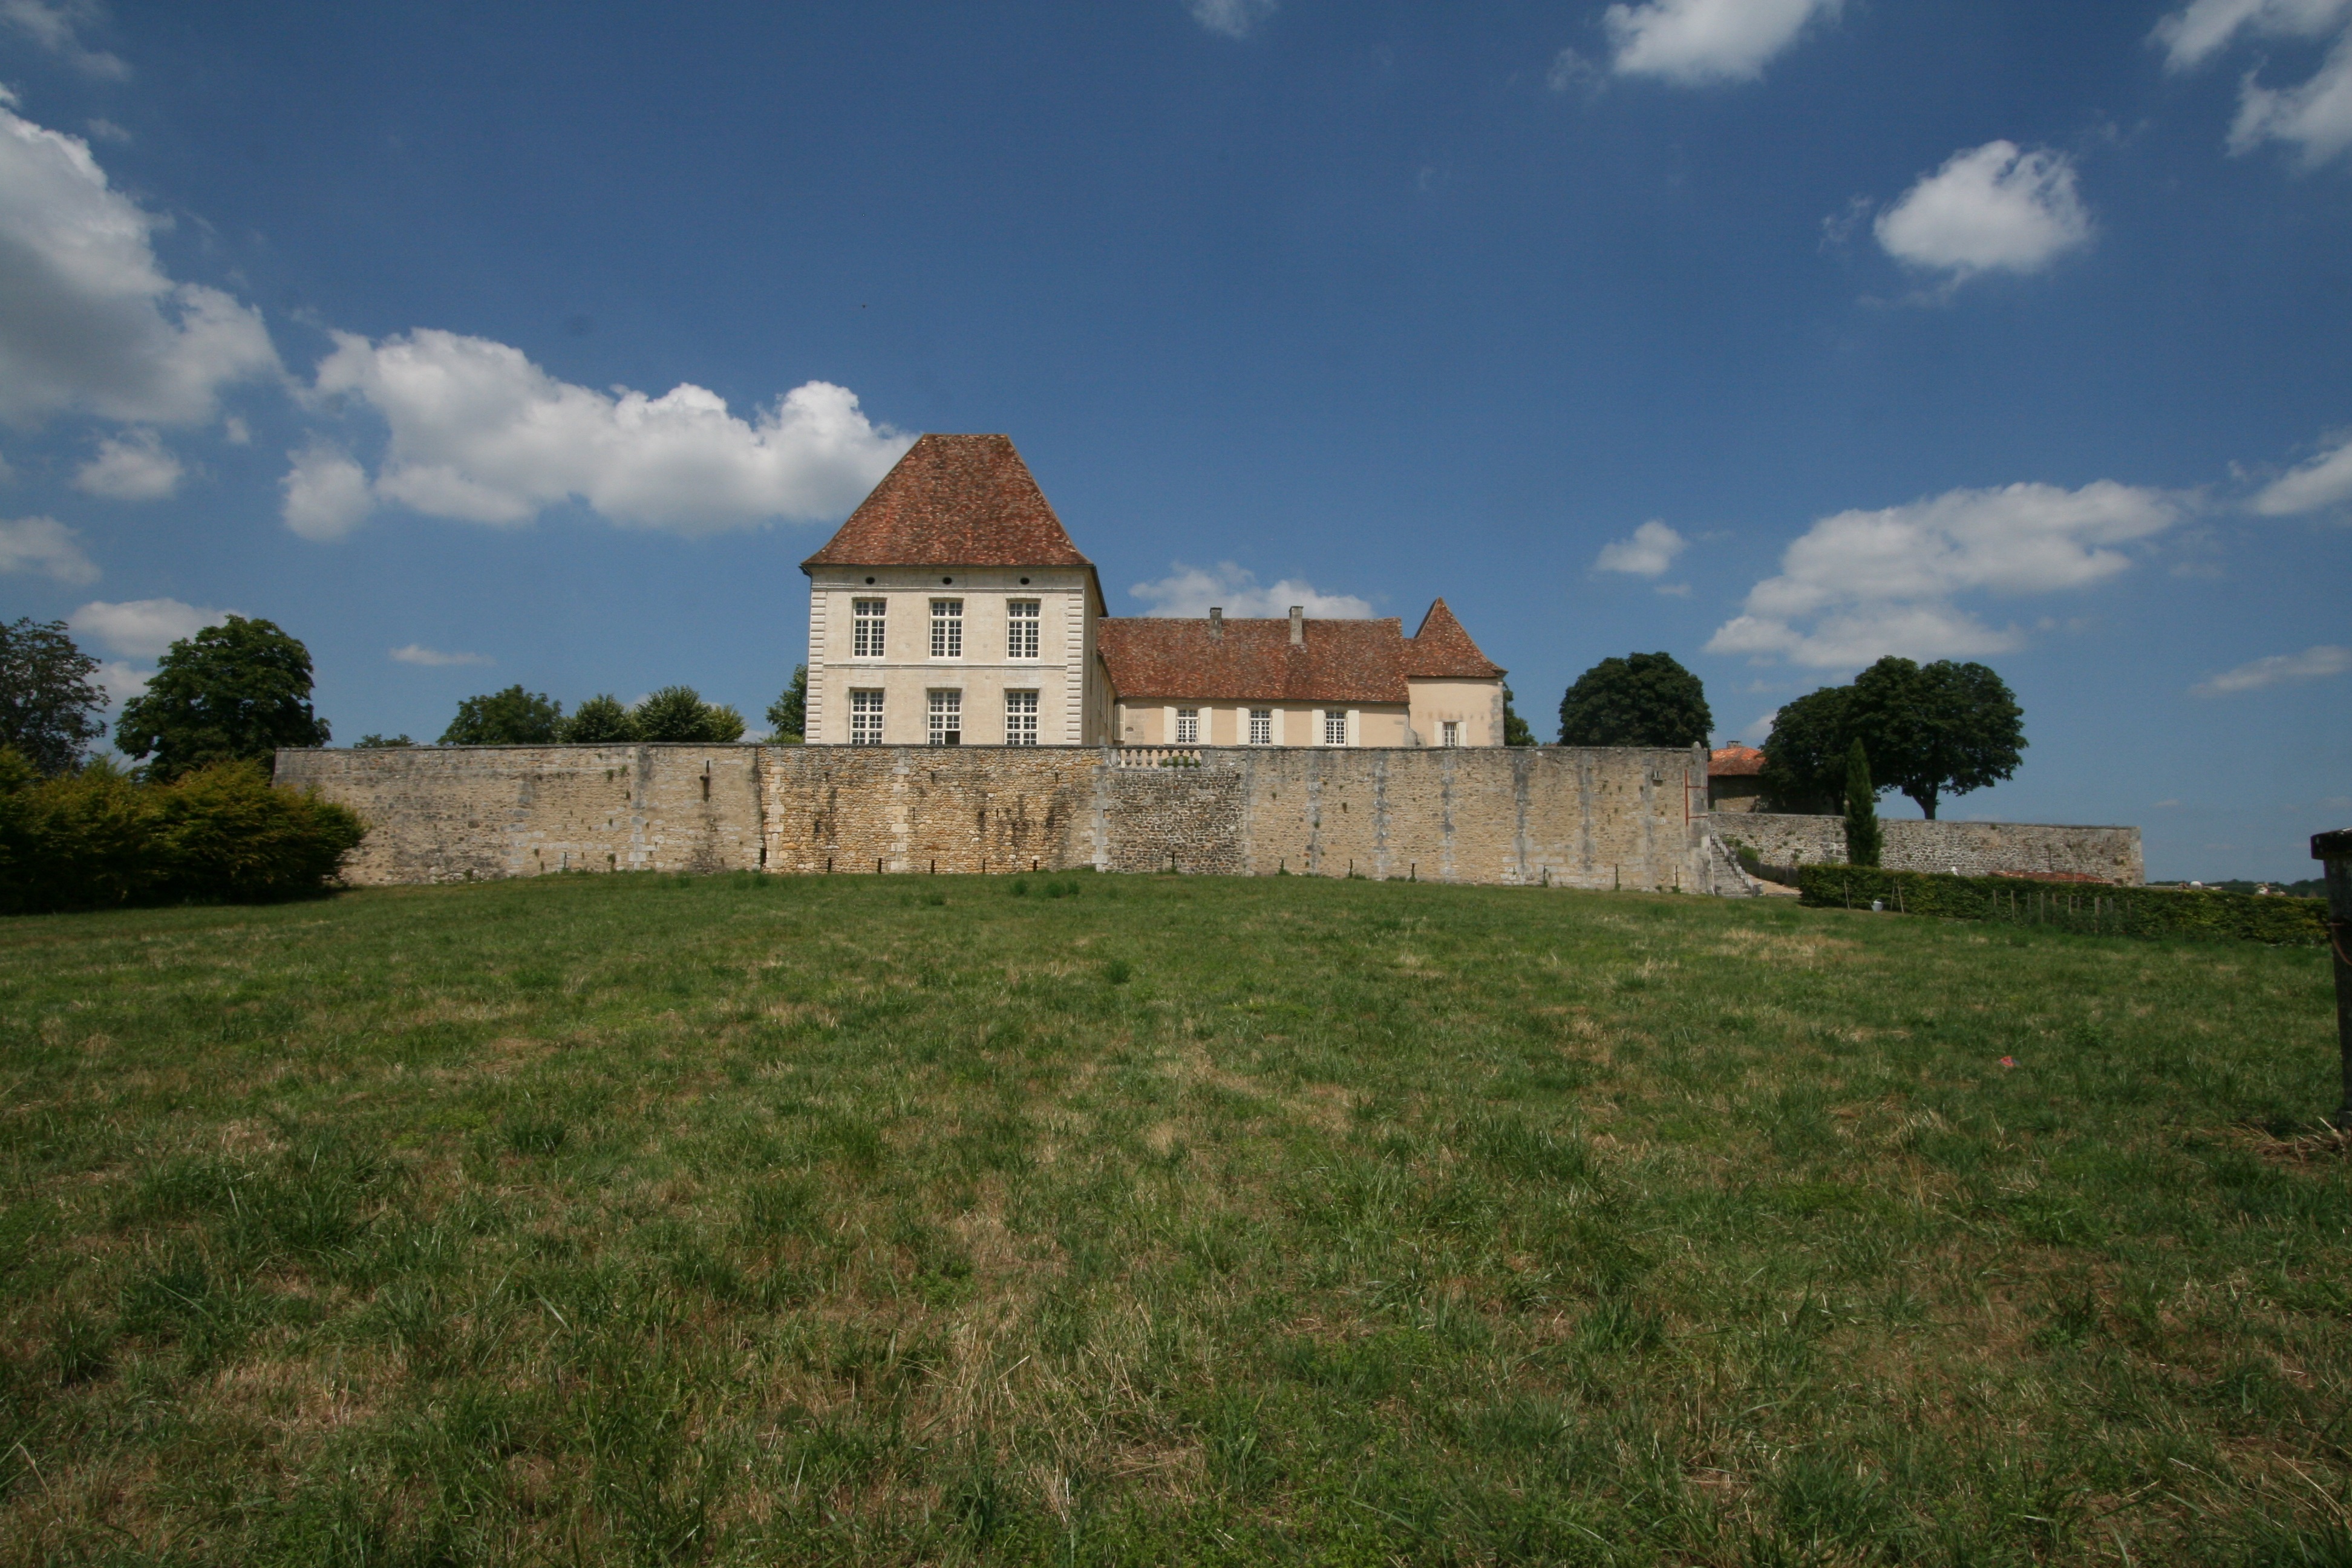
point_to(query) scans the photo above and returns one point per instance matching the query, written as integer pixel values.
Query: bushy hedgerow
(2078, 906)
(99, 838)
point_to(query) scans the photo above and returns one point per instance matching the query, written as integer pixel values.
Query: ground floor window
(1449, 733)
(1020, 718)
(1335, 728)
(865, 718)
(1188, 726)
(947, 718)
(1261, 732)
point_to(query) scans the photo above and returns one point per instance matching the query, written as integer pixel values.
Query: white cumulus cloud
(44, 544)
(1234, 18)
(1860, 584)
(89, 320)
(2308, 664)
(1990, 208)
(134, 465)
(1698, 41)
(57, 27)
(1651, 549)
(480, 433)
(1191, 591)
(2323, 481)
(142, 628)
(434, 659)
(2316, 114)
(326, 492)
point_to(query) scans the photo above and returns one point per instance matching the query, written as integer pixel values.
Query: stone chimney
(1298, 626)
(1216, 623)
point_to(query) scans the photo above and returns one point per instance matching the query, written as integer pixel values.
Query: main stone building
(953, 609)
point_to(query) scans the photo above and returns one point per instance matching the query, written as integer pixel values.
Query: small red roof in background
(1175, 658)
(1442, 650)
(953, 500)
(1734, 762)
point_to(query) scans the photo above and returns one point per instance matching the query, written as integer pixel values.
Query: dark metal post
(2335, 849)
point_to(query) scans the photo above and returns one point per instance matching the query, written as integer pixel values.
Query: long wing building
(952, 609)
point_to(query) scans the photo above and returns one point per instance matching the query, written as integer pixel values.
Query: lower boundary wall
(1971, 848)
(1564, 817)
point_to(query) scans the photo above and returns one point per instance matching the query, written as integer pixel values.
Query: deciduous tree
(1936, 729)
(1517, 732)
(510, 718)
(600, 721)
(234, 692)
(49, 705)
(678, 713)
(1804, 757)
(788, 714)
(1641, 700)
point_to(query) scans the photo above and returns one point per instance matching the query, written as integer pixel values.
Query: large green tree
(49, 705)
(788, 714)
(1936, 729)
(600, 721)
(510, 718)
(1517, 732)
(234, 692)
(679, 713)
(1930, 729)
(1641, 700)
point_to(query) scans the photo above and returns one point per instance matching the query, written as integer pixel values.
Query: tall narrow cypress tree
(1863, 839)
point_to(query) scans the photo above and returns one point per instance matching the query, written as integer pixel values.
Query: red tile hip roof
(1373, 661)
(1734, 762)
(953, 500)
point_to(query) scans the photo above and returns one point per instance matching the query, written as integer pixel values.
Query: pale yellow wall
(1069, 707)
(1227, 723)
(1476, 705)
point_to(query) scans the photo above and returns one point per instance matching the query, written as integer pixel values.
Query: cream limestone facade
(980, 675)
(1474, 706)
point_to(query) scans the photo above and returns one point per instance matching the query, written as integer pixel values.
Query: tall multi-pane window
(1020, 718)
(947, 628)
(1020, 628)
(1449, 733)
(1188, 726)
(865, 718)
(867, 625)
(947, 718)
(1261, 726)
(1334, 727)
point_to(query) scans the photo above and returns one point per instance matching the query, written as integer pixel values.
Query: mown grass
(1122, 1220)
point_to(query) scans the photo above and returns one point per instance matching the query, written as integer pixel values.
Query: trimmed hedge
(2077, 906)
(100, 839)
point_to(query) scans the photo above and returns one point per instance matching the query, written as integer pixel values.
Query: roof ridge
(953, 500)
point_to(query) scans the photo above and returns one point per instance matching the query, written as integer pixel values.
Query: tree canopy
(234, 692)
(788, 714)
(679, 713)
(49, 705)
(1930, 730)
(1641, 700)
(1517, 732)
(599, 720)
(510, 718)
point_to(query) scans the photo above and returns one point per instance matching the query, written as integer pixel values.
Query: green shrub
(97, 838)
(2079, 906)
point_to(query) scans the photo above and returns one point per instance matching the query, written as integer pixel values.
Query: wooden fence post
(2335, 849)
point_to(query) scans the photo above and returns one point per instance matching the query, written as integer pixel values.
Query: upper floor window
(1261, 726)
(865, 718)
(867, 622)
(947, 628)
(1188, 726)
(1334, 727)
(1020, 628)
(1020, 718)
(1449, 733)
(947, 718)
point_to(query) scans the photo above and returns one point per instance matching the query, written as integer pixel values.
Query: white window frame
(1335, 726)
(1449, 732)
(1022, 619)
(946, 717)
(865, 718)
(1188, 726)
(868, 618)
(947, 628)
(1021, 717)
(1261, 726)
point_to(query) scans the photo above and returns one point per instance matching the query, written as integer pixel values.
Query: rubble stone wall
(1973, 848)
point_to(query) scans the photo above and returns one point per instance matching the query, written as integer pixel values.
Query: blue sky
(489, 343)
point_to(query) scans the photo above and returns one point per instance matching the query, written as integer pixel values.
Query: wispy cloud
(2324, 481)
(1193, 591)
(1647, 553)
(1234, 18)
(142, 628)
(56, 25)
(1694, 42)
(2311, 664)
(2313, 115)
(434, 659)
(134, 466)
(45, 545)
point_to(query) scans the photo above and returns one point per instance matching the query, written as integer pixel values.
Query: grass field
(1089, 1219)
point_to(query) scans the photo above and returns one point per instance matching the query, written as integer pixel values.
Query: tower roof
(1442, 650)
(953, 500)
